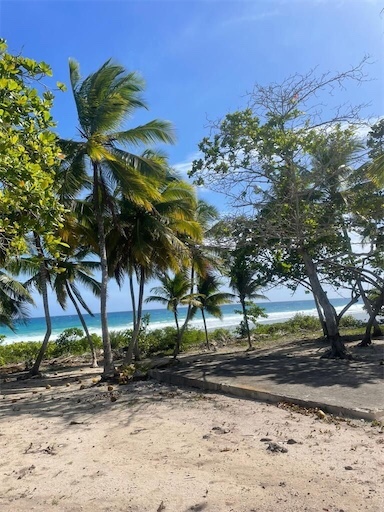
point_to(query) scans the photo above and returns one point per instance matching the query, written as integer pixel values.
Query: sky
(199, 60)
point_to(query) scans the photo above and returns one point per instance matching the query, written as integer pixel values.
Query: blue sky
(199, 58)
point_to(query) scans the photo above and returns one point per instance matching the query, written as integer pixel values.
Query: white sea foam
(229, 321)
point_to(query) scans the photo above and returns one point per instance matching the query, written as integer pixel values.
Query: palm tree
(148, 243)
(244, 284)
(38, 265)
(172, 293)
(74, 269)
(104, 101)
(210, 299)
(14, 299)
(202, 257)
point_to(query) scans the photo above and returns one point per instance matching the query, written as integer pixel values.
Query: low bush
(300, 322)
(221, 335)
(120, 339)
(164, 340)
(350, 322)
(23, 351)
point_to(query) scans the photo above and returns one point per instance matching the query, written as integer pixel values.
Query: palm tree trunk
(330, 317)
(243, 307)
(137, 325)
(44, 293)
(205, 328)
(79, 314)
(189, 309)
(133, 301)
(176, 351)
(109, 369)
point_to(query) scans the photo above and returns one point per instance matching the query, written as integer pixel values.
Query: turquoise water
(34, 329)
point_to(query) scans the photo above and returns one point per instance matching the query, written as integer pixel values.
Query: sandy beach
(75, 445)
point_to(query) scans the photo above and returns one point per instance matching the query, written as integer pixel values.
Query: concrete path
(352, 389)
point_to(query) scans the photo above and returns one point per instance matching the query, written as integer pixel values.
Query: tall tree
(262, 157)
(147, 243)
(29, 155)
(104, 101)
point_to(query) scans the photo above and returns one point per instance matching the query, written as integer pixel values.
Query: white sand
(159, 448)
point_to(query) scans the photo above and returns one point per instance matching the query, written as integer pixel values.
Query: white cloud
(183, 167)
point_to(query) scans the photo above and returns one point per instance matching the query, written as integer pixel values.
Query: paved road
(350, 388)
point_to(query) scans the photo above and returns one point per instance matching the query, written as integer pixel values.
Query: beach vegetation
(210, 299)
(245, 285)
(173, 292)
(105, 100)
(295, 174)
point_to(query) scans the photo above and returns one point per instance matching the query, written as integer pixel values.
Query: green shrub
(349, 322)
(158, 340)
(70, 341)
(300, 322)
(220, 334)
(23, 351)
(164, 340)
(120, 339)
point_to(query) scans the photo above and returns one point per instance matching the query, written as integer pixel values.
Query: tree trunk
(367, 340)
(243, 307)
(109, 369)
(205, 328)
(44, 277)
(345, 308)
(337, 349)
(189, 309)
(321, 317)
(368, 306)
(176, 351)
(137, 325)
(132, 292)
(79, 314)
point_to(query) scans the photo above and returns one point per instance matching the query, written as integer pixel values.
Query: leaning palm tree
(72, 270)
(244, 284)
(104, 101)
(210, 299)
(172, 293)
(39, 266)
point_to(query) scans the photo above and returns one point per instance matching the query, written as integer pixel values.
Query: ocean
(34, 329)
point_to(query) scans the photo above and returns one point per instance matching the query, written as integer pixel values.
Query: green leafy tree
(29, 155)
(375, 144)
(104, 101)
(262, 157)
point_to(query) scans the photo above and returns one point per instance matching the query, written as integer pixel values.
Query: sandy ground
(77, 446)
